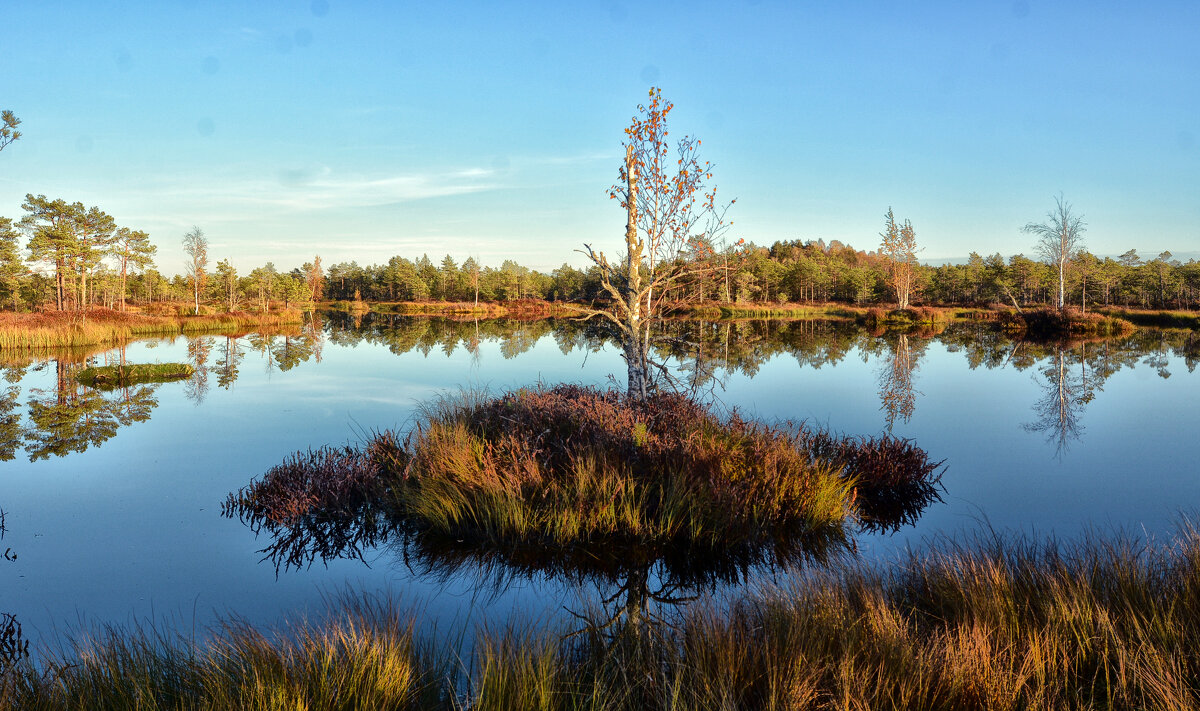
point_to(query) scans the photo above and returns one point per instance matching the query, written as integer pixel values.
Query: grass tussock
(568, 467)
(991, 624)
(62, 329)
(367, 656)
(112, 376)
(1055, 323)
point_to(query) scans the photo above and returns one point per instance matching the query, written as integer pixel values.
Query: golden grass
(991, 624)
(558, 470)
(1160, 319)
(52, 329)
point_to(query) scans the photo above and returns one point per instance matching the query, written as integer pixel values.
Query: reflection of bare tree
(896, 394)
(198, 350)
(229, 358)
(1067, 387)
(314, 333)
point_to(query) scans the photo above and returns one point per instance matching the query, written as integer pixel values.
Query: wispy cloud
(316, 188)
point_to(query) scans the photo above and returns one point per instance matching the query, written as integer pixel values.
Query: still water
(112, 500)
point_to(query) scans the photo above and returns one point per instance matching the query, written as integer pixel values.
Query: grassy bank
(1054, 323)
(1157, 319)
(53, 329)
(522, 308)
(996, 624)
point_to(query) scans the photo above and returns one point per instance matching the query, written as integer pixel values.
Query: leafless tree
(196, 246)
(670, 208)
(1059, 238)
(899, 248)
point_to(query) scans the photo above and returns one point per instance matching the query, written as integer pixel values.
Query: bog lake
(112, 499)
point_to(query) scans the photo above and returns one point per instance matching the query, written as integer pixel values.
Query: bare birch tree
(899, 248)
(1059, 238)
(669, 207)
(196, 246)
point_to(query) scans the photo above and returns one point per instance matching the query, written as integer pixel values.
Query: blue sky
(364, 130)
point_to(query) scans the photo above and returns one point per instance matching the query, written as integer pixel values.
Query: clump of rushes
(559, 468)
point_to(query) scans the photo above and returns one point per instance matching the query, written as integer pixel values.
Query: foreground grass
(53, 329)
(995, 623)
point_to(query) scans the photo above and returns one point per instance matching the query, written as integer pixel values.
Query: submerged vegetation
(994, 623)
(111, 376)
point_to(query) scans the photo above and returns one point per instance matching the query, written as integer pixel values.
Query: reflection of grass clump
(131, 374)
(569, 466)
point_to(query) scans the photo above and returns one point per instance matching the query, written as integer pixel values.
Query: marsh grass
(59, 329)
(365, 656)
(1158, 319)
(990, 623)
(568, 468)
(1054, 323)
(112, 376)
(994, 622)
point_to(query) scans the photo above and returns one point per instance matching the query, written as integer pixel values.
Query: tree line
(75, 256)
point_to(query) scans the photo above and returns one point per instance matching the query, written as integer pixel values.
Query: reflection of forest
(706, 352)
(1071, 373)
(69, 417)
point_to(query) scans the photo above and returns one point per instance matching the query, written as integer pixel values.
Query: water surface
(112, 499)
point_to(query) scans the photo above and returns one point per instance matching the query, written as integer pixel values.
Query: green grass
(995, 623)
(132, 373)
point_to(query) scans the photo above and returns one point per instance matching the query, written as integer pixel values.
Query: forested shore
(65, 256)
